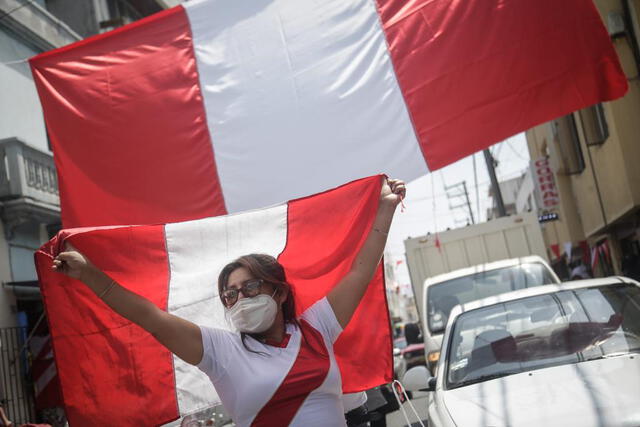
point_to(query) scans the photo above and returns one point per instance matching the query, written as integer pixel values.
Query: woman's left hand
(393, 191)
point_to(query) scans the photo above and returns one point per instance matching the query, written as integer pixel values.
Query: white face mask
(253, 315)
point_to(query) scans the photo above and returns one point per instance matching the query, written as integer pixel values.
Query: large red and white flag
(113, 373)
(220, 106)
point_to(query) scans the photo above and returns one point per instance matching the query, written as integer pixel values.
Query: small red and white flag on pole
(218, 106)
(113, 373)
(43, 370)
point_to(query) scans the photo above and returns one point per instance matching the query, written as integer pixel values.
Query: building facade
(592, 182)
(516, 196)
(400, 299)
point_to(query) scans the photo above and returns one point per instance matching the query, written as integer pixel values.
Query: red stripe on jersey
(281, 344)
(307, 374)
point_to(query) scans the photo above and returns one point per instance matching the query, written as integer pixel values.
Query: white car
(557, 355)
(443, 292)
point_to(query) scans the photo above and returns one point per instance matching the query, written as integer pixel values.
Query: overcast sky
(420, 217)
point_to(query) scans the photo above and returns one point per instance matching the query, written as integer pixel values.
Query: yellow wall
(569, 227)
(616, 162)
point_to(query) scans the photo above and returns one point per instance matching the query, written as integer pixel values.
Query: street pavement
(396, 419)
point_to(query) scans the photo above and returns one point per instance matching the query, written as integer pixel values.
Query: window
(566, 135)
(594, 125)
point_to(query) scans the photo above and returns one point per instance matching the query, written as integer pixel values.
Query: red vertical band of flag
(326, 229)
(476, 72)
(105, 363)
(127, 155)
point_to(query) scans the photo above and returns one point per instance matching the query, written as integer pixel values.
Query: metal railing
(16, 389)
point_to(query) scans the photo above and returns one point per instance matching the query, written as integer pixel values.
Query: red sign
(546, 189)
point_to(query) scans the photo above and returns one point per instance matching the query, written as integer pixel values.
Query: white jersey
(296, 382)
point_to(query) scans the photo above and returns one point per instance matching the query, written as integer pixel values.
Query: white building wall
(21, 117)
(525, 199)
(20, 111)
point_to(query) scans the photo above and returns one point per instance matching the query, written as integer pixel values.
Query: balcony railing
(27, 172)
(28, 185)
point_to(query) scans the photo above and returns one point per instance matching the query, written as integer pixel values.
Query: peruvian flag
(113, 373)
(43, 370)
(217, 107)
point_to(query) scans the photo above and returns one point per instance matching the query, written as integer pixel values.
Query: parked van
(502, 238)
(443, 292)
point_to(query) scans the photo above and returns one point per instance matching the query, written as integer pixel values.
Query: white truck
(508, 237)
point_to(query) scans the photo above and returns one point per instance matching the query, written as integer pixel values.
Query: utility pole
(475, 184)
(466, 195)
(454, 193)
(497, 194)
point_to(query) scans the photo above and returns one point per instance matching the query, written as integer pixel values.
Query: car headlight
(433, 357)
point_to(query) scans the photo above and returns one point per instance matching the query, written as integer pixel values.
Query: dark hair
(267, 268)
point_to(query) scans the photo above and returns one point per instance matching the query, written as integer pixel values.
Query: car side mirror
(418, 379)
(397, 352)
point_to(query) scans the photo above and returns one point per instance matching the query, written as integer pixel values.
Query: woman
(279, 369)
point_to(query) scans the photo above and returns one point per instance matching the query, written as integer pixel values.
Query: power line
(458, 196)
(516, 152)
(480, 184)
(17, 61)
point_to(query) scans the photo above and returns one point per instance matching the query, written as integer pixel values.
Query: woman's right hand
(180, 336)
(72, 263)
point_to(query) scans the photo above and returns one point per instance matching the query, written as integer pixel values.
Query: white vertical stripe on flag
(300, 96)
(45, 378)
(197, 252)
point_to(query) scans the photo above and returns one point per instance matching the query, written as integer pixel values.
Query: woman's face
(240, 276)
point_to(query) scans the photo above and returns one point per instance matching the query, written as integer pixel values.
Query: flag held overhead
(110, 368)
(217, 106)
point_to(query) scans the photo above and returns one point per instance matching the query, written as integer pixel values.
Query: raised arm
(180, 336)
(346, 295)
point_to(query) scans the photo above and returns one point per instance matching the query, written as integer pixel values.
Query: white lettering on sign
(547, 192)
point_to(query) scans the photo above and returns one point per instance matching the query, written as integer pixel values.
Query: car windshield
(548, 330)
(441, 298)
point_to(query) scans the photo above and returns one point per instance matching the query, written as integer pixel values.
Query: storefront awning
(25, 290)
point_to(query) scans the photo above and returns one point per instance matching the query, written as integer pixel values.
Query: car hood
(603, 392)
